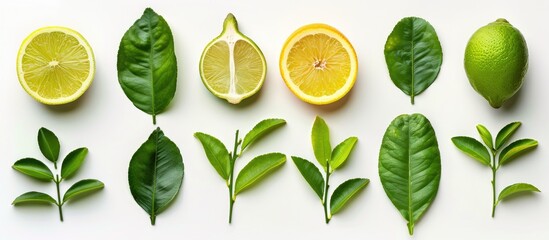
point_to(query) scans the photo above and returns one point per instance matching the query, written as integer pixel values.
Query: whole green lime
(496, 60)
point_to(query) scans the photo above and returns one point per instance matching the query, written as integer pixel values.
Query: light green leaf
(341, 152)
(473, 148)
(49, 144)
(34, 197)
(409, 166)
(217, 154)
(256, 169)
(33, 168)
(311, 174)
(345, 192)
(505, 134)
(73, 161)
(515, 149)
(260, 130)
(82, 187)
(147, 66)
(413, 55)
(486, 136)
(156, 173)
(516, 188)
(320, 137)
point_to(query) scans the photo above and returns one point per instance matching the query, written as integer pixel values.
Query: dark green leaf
(82, 187)
(409, 166)
(320, 137)
(73, 161)
(217, 154)
(261, 129)
(49, 144)
(341, 152)
(34, 197)
(473, 148)
(345, 192)
(33, 168)
(515, 149)
(147, 67)
(155, 173)
(413, 55)
(311, 174)
(486, 136)
(516, 188)
(505, 134)
(256, 169)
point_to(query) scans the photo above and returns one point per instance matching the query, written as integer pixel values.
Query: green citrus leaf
(49, 144)
(147, 66)
(260, 130)
(256, 169)
(486, 136)
(515, 149)
(82, 187)
(473, 148)
(311, 174)
(73, 161)
(413, 55)
(320, 137)
(33, 168)
(345, 192)
(34, 197)
(156, 173)
(341, 152)
(505, 134)
(516, 188)
(409, 166)
(217, 154)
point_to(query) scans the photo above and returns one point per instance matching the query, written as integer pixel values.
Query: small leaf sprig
(50, 147)
(330, 161)
(224, 161)
(494, 155)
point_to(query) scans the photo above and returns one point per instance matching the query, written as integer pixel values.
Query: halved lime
(232, 67)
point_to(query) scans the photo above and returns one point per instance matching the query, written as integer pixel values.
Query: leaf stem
(154, 119)
(326, 186)
(234, 155)
(59, 203)
(494, 169)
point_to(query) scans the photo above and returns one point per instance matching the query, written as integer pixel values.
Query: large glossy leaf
(261, 129)
(34, 197)
(516, 188)
(486, 136)
(341, 152)
(49, 144)
(256, 169)
(155, 173)
(505, 133)
(515, 149)
(311, 174)
(345, 192)
(217, 154)
(409, 165)
(82, 187)
(473, 148)
(33, 168)
(413, 55)
(73, 161)
(147, 67)
(320, 137)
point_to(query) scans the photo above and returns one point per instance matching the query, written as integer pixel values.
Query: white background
(282, 206)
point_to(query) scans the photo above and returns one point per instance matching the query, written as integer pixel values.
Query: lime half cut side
(55, 65)
(232, 67)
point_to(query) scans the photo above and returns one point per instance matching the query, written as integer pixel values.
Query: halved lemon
(232, 67)
(318, 64)
(55, 65)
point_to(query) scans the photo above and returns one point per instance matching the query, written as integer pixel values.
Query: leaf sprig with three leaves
(494, 155)
(49, 146)
(330, 161)
(224, 161)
